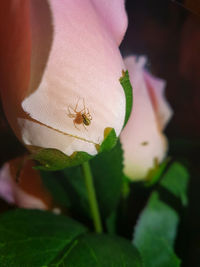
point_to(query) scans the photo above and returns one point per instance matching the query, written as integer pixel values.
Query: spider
(80, 117)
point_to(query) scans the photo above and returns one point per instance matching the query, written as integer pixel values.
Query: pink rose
(142, 139)
(59, 57)
(21, 185)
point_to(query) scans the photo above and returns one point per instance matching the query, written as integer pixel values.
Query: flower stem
(92, 197)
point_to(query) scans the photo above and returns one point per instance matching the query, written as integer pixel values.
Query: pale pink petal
(162, 108)
(6, 184)
(53, 139)
(142, 141)
(74, 60)
(27, 201)
(114, 15)
(83, 66)
(26, 190)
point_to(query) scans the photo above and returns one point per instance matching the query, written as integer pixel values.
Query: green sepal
(110, 140)
(128, 91)
(54, 160)
(156, 173)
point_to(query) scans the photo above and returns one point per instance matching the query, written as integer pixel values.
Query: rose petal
(114, 15)
(6, 185)
(162, 108)
(76, 73)
(24, 200)
(75, 61)
(53, 139)
(143, 142)
(21, 185)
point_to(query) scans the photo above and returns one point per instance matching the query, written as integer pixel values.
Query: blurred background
(168, 33)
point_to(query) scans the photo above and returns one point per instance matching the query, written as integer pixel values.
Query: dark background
(169, 34)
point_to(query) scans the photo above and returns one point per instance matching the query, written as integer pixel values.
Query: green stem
(92, 197)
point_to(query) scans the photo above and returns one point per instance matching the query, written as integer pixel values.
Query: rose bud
(59, 71)
(143, 141)
(22, 186)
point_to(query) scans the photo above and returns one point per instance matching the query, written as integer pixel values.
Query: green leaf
(107, 170)
(107, 174)
(111, 221)
(157, 253)
(73, 183)
(54, 185)
(38, 238)
(53, 159)
(155, 233)
(110, 140)
(125, 82)
(35, 238)
(100, 250)
(176, 181)
(68, 187)
(155, 173)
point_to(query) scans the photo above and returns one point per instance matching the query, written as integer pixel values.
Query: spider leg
(84, 108)
(75, 110)
(89, 116)
(69, 107)
(84, 103)
(71, 115)
(87, 112)
(85, 127)
(75, 125)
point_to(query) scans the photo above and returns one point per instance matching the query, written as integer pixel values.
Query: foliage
(125, 82)
(107, 173)
(38, 238)
(156, 229)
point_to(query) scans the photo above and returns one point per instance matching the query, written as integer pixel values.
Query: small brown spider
(80, 117)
